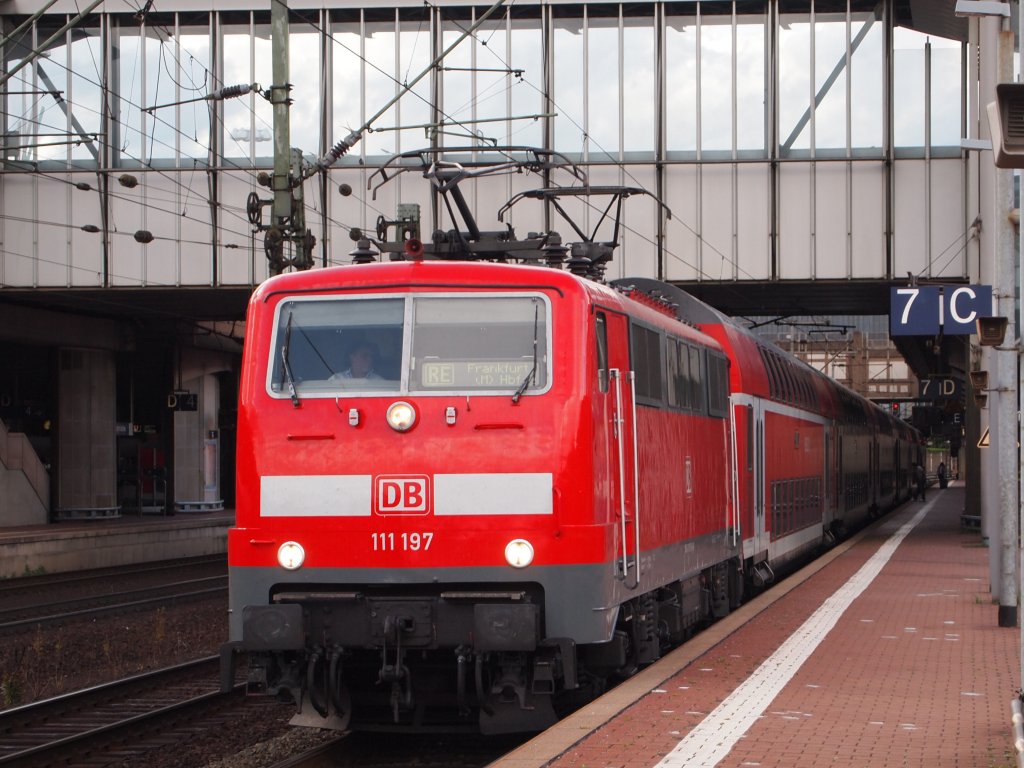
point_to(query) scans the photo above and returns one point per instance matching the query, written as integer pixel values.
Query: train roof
(741, 343)
(458, 274)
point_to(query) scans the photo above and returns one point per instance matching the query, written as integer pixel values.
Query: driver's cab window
(479, 343)
(425, 343)
(324, 345)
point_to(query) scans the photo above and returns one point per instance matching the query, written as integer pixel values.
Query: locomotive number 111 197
(403, 542)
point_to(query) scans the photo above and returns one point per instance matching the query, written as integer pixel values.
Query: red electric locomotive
(476, 499)
(471, 493)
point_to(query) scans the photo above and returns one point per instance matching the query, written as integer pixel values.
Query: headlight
(519, 553)
(401, 416)
(291, 555)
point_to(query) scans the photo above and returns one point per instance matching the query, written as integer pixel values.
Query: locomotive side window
(479, 343)
(645, 357)
(332, 344)
(678, 362)
(601, 329)
(718, 385)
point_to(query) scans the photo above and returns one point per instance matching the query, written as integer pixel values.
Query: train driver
(361, 361)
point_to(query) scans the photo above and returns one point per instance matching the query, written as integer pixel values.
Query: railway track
(50, 600)
(99, 581)
(120, 722)
(54, 613)
(128, 715)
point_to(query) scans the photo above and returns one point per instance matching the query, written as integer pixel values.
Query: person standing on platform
(941, 472)
(919, 481)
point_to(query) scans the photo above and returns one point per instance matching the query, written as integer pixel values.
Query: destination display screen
(474, 374)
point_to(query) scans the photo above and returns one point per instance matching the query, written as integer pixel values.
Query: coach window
(773, 379)
(696, 380)
(794, 383)
(785, 367)
(601, 333)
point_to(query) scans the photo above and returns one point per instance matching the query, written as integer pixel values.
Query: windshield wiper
(284, 361)
(533, 368)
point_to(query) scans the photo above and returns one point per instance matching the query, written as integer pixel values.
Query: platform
(885, 652)
(101, 543)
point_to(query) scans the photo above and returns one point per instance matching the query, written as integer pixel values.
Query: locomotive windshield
(422, 343)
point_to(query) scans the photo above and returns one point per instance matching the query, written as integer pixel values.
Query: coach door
(757, 462)
(617, 410)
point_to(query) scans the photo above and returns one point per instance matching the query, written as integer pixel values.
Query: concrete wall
(61, 549)
(19, 503)
(24, 482)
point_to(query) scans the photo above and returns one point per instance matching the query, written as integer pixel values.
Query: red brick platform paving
(917, 671)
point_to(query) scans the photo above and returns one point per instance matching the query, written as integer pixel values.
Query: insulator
(334, 153)
(127, 180)
(143, 236)
(363, 253)
(579, 264)
(90, 228)
(345, 190)
(339, 149)
(233, 91)
(554, 251)
(84, 186)
(263, 179)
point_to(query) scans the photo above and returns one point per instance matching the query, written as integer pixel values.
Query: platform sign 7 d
(928, 309)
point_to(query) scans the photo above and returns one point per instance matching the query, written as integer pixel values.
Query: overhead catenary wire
(407, 89)
(174, 178)
(350, 141)
(127, 100)
(623, 167)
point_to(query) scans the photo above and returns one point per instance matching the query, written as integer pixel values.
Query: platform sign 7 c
(928, 309)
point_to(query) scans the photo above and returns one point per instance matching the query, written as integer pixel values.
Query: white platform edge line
(716, 735)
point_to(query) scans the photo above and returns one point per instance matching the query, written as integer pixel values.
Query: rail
(17, 454)
(55, 731)
(51, 614)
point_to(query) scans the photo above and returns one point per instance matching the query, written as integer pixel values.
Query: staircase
(24, 482)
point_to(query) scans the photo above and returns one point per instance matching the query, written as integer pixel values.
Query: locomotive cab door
(616, 413)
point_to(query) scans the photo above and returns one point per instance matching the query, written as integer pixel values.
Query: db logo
(401, 495)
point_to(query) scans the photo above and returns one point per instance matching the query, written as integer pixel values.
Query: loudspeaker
(991, 331)
(979, 380)
(1006, 124)
(413, 248)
